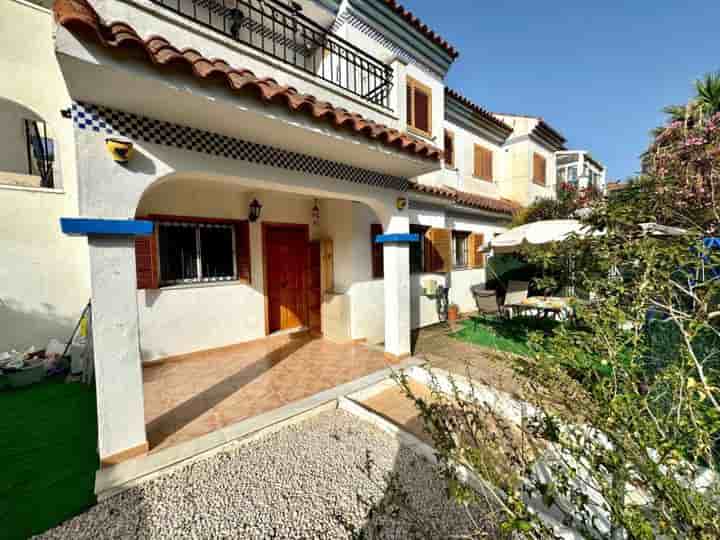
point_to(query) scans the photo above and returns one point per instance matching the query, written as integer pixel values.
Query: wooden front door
(286, 269)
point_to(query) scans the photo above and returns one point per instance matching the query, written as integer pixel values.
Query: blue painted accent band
(105, 227)
(397, 238)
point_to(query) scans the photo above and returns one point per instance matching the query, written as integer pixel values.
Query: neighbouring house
(530, 158)
(240, 171)
(580, 169)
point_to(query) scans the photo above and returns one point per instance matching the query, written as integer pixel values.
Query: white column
(118, 370)
(397, 290)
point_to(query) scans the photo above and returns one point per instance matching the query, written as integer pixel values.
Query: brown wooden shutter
(449, 149)
(409, 105)
(488, 165)
(328, 265)
(483, 168)
(422, 110)
(438, 252)
(242, 250)
(539, 169)
(146, 262)
(476, 259)
(378, 270)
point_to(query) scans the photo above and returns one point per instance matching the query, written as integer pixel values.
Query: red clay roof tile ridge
(422, 27)
(79, 16)
(478, 109)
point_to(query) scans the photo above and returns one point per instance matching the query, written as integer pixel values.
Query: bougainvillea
(683, 169)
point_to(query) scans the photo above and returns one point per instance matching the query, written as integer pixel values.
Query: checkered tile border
(117, 123)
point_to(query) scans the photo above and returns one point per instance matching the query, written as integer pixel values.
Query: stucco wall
(44, 275)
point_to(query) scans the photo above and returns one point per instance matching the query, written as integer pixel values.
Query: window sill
(420, 133)
(202, 285)
(32, 189)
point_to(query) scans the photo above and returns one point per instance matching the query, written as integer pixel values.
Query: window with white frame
(572, 176)
(192, 252)
(460, 248)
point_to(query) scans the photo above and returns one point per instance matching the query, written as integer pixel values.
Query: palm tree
(708, 94)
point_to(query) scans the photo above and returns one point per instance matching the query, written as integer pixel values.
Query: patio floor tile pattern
(202, 392)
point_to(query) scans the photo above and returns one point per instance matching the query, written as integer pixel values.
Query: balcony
(284, 33)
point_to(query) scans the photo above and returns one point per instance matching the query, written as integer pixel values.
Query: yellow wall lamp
(120, 150)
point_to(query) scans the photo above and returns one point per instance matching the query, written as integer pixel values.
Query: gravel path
(324, 478)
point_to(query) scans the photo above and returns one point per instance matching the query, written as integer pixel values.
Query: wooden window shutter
(419, 107)
(409, 104)
(378, 270)
(146, 262)
(449, 149)
(488, 164)
(438, 250)
(327, 263)
(422, 110)
(476, 259)
(242, 250)
(539, 169)
(483, 168)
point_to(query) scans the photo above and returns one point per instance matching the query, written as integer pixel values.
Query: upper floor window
(539, 172)
(419, 107)
(28, 153)
(449, 149)
(483, 163)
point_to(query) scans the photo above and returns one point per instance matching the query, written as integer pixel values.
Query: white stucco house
(293, 165)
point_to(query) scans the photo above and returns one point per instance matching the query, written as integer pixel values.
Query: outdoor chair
(517, 293)
(486, 302)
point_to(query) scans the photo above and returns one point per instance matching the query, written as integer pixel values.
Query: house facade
(580, 169)
(241, 169)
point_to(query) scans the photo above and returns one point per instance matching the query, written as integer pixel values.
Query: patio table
(542, 306)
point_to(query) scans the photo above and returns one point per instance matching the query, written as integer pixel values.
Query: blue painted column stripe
(105, 227)
(397, 238)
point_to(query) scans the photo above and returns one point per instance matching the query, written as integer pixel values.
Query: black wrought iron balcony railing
(283, 32)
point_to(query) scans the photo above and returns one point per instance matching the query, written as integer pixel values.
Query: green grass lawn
(48, 439)
(506, 335)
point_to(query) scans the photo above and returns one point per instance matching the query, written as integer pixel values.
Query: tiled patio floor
(202, 392)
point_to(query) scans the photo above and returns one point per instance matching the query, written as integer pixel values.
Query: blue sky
(598, 71)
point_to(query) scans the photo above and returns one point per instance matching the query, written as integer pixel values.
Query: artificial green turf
(506, 335)
(48, 458)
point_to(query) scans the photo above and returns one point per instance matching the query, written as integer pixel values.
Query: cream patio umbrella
(540, 232)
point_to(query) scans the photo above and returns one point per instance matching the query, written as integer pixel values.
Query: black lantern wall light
(254, 213)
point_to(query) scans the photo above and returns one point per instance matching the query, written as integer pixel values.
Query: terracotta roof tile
(501, 206)
(422, 27)
(487, 115)
(80, 17)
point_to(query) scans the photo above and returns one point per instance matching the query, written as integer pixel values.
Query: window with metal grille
(40, 152)
(196, 252)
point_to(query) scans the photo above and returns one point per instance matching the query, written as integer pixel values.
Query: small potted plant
(453, 312)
